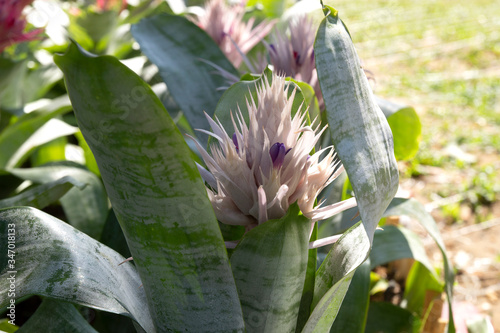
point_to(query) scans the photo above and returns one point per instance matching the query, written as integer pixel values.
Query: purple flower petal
(278, 152)
(235, 141)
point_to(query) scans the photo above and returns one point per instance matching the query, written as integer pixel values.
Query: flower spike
(258, 171)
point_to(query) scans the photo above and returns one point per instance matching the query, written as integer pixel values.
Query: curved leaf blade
(269, 267)
(54, 259)
(43, 195)
(157, 195)
(359, 130)
(85, 208)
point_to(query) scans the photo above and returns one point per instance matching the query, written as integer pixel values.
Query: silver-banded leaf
(176, 45)
(86, 208)
(334, 276)
(269, 267)
(157, 195)
(54, 259)
(56, 316)
(42, 195)
(359, 130)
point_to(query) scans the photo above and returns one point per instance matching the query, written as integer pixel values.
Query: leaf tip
(73, 52)
(329, 11)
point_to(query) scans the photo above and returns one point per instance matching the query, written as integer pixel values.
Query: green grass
(443, 58)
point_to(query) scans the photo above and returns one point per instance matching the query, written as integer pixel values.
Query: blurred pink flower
(258, 172)
(106, 5)
(13, 23)
(226, 27)
(294, 56)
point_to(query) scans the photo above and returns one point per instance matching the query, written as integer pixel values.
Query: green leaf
(175, 45)
(90, 162)
(39, 81)
(334, 276)
(354, 310)
(405, 126)
(87, 208)
(269, 267)
(57, 316)
(11, 82)
(112, 235)
(386, 317)
(93, 29)
(414, 209)
(359, 130)
(6, 327)
(419, 281)
(157, 195)
(9, 183)
(54, 259)
(395, 243)
(32, 130)
(311, 101)
(52, 151)
(308, 291)
(43, 195)
(271, 8)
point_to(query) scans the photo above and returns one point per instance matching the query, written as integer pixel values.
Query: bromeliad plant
(256, 193)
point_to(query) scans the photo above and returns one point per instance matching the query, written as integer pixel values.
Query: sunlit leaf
(356, 122)
(405, 126)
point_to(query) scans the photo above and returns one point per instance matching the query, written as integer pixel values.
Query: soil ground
(443, 58)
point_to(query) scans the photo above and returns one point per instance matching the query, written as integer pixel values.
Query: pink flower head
(294, 55)
(13, 23)
(106, 5)
(259, 171)
(226, 27)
